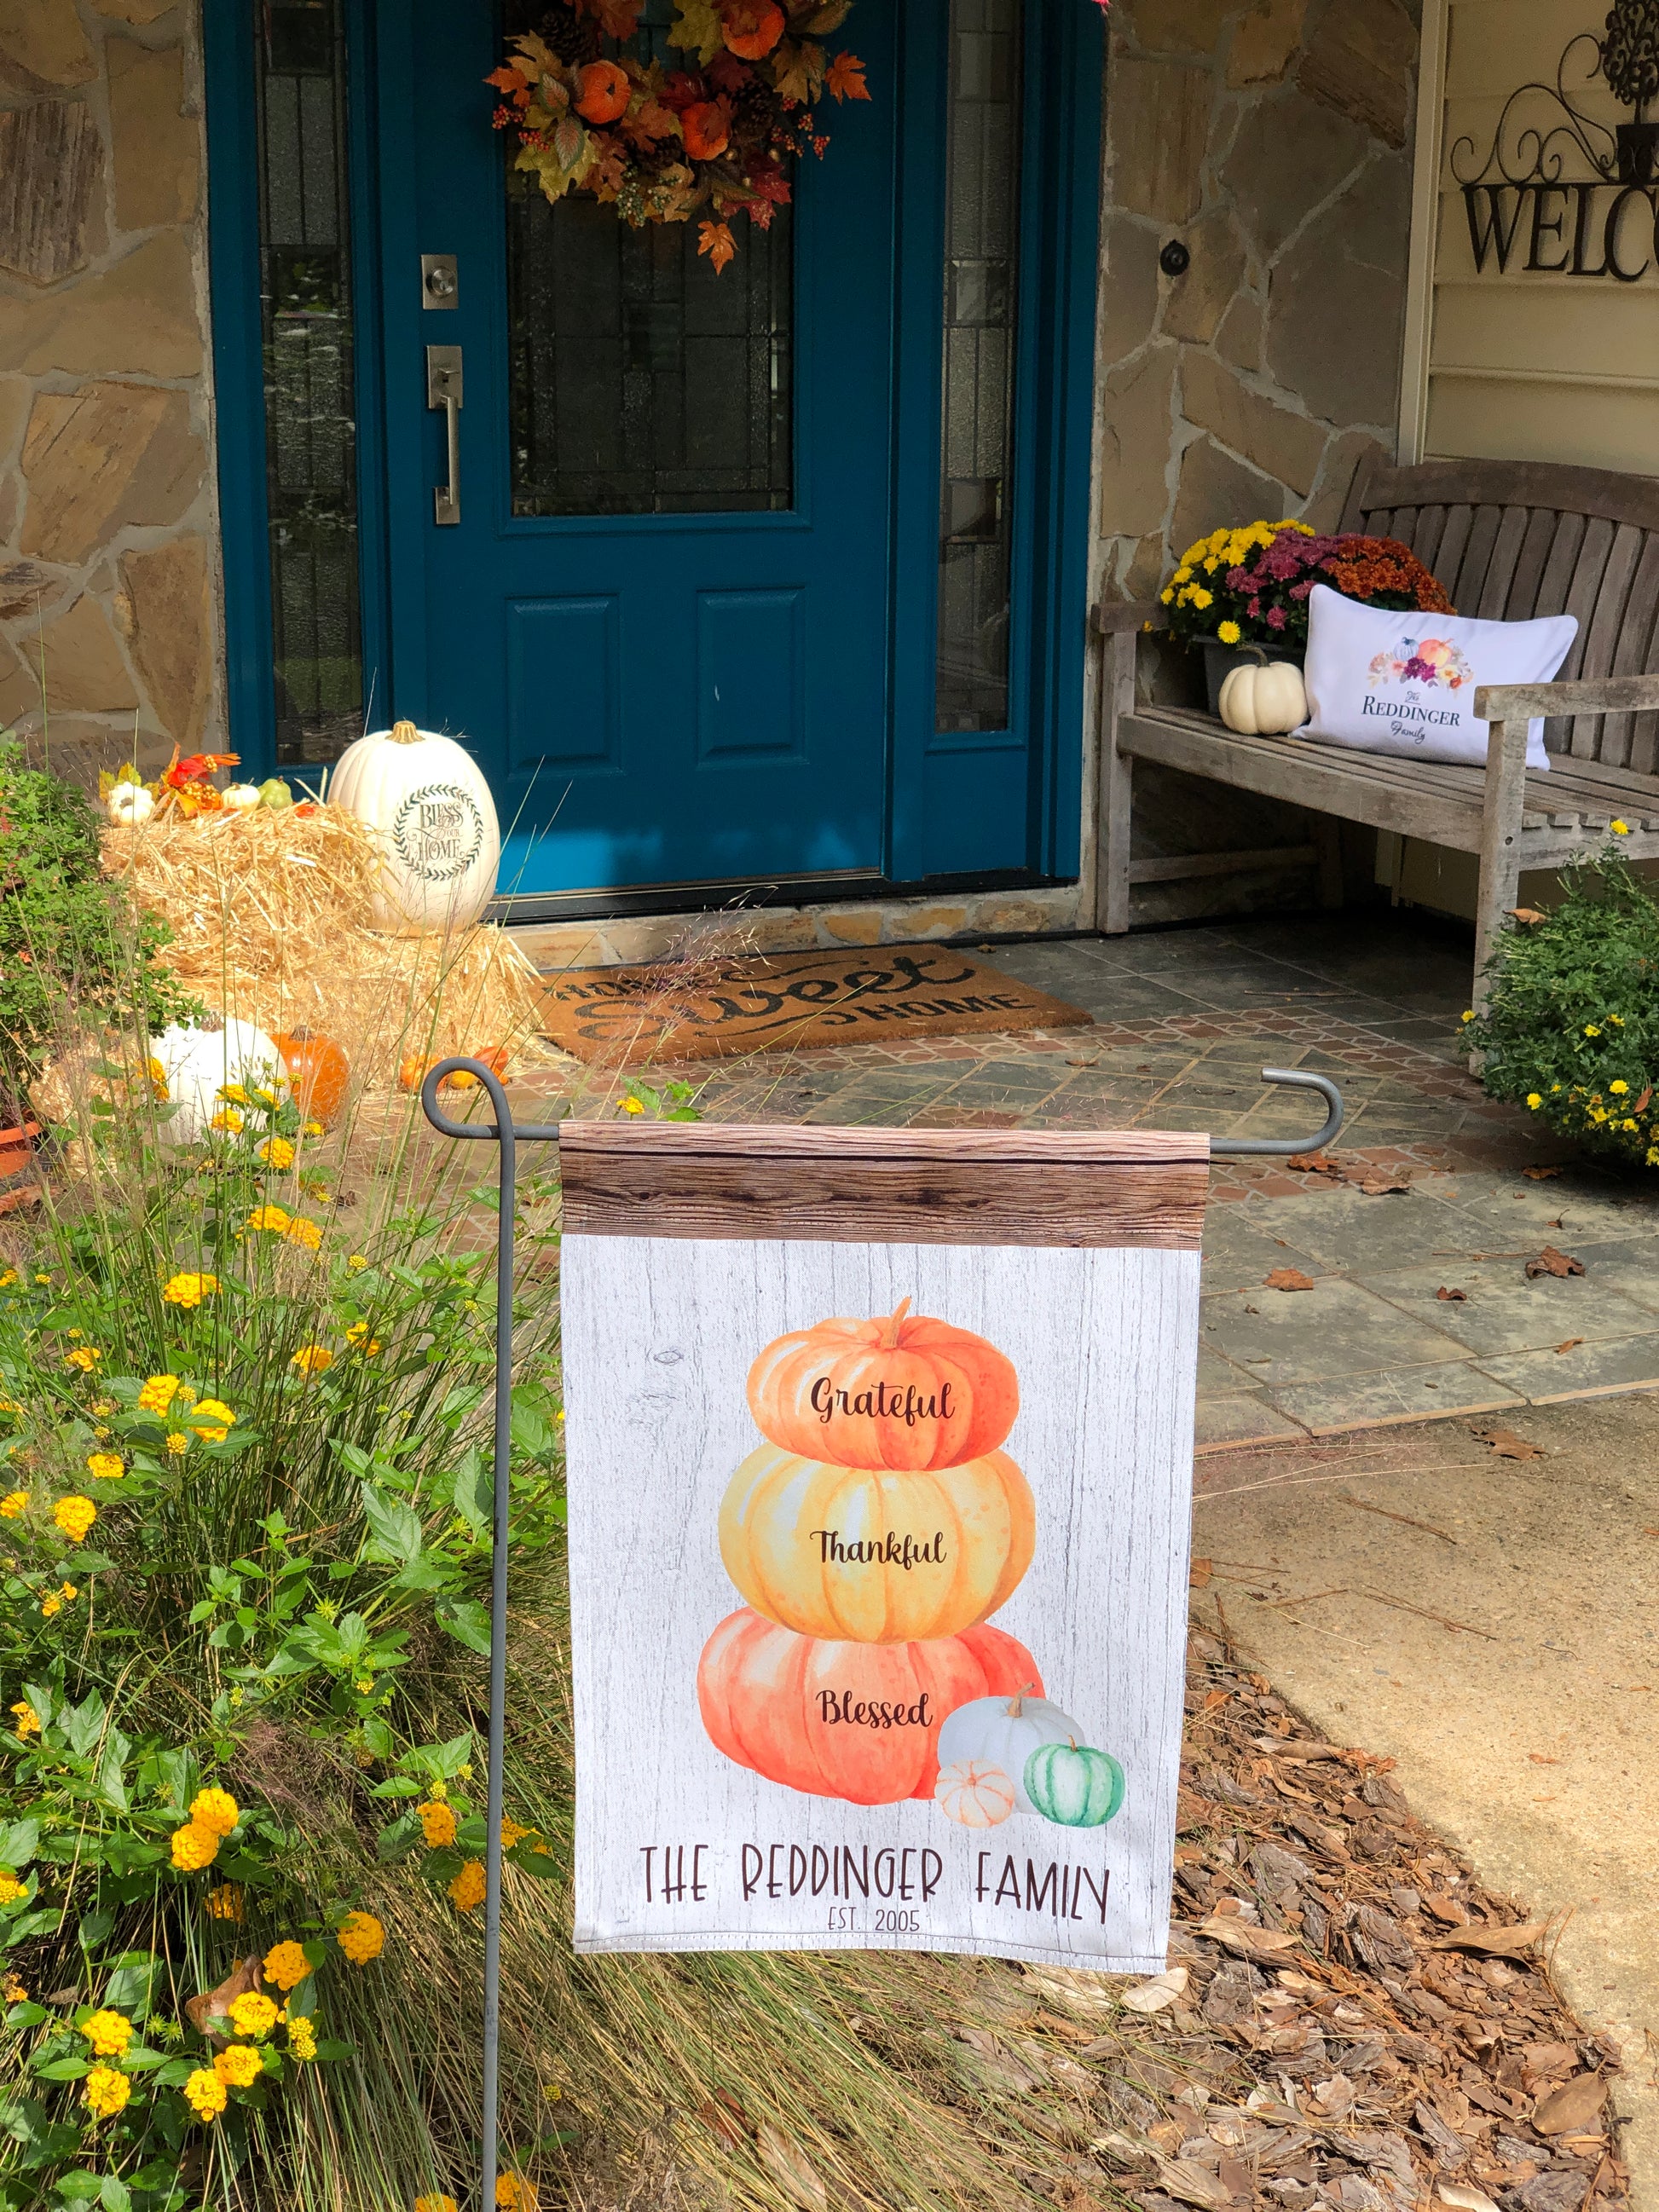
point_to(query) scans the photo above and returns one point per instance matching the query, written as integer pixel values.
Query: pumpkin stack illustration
(872, 1535)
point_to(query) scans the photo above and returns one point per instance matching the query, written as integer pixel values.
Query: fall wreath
(718, 134)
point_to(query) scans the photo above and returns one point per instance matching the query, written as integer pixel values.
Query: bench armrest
(1113, 616)
(1603, 695)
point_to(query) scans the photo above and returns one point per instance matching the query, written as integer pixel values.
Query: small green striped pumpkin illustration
(1073, 1785)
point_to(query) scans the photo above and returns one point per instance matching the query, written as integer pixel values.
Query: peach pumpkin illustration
(874, 1555)
(905, 1392)
(859, 1721)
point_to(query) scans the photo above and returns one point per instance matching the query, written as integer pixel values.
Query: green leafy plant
(69, 940)
(1571, 1029)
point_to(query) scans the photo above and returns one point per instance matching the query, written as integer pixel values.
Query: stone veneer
(108, 530)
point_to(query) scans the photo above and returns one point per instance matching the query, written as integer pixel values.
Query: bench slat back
(1511, 540)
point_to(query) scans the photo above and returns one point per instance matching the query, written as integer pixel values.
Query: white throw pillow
(1386, 682)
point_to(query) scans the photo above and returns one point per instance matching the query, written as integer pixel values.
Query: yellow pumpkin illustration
(876, 1555)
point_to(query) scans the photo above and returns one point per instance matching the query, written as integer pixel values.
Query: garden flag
(879, 1450)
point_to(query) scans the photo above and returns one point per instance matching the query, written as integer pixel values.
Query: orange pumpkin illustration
(603, 93)
(874, 1555)
(751, 28)
(903, 1393)
(707, 130)
(854, 1721)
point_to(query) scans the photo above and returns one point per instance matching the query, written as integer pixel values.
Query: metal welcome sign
(879, 1466)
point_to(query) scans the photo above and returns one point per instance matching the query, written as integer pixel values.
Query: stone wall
(108, 552)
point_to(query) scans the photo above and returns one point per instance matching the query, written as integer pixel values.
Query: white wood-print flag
(878, 1558)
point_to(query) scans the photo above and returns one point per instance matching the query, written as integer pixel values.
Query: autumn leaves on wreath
(717, 134)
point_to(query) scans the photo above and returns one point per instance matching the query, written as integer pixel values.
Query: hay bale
(271, 912)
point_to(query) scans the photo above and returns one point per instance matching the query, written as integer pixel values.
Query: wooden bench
(1508, 540)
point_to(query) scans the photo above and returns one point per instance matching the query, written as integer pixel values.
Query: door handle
(443, 391)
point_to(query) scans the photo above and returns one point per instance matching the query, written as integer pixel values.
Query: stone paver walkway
(1186, 1020)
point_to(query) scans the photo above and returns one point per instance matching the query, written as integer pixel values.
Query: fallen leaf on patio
(1162, 1991)
(1506, 1444)
(1199, 1575)
(1287, 1279)
(1381, 1183)
(1493, 1942)
(1526, 914)
(1462, 2199)
(789, 2167)
(1453, 1297)
(1573, 2108)
(1242, 1936)
(1571, 1344)
(1552, 1262)
(1319, 1164)
(1542, 1174)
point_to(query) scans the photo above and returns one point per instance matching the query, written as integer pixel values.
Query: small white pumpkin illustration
(1003, 1733)
(1265, 699)
(426, 798)
(973, 1794)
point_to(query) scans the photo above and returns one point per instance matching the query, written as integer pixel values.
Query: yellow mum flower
(435, 2204)
(252, 2014)
(1619, 1089)
(215, 1810)
(206, 2094)
(466, 1891)
(276, 1218)
(1534, 1100)
(11, 1889)
(313, 1359)
(194, 1847)
(106, 2091)
(514, 2194)
(308, 1234)
(189, 1290)
(301, 2039)
(225, 1903)
(239, 2066)
(1469, 1014)
(158, 1394)
(227, 1121)
(28, 1721)
(1202, 598)
(1228, 632)
(107, 1466)
(74, 1515)
(286, 1966)
(1621, 829)
(108, 2032)
(276, 1152)
(15, 1505)
(235, 1092)
(361, 1938)
(437, 1824)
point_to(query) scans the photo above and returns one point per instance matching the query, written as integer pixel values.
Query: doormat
(715, 1008)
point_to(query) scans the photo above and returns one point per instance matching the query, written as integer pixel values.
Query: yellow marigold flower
(313, 1359)
(308, 1234)
(206, 2094)
(514, 2194)
(28, 1721)
(1590, 1029)
(276, 1218)
(513, 1834)
(437, 1824)
(435, 2204)
(11, 1889)
(107, 1466)
(1619, 1089)
(178, 1443)
(1469, 1014)
(1228, 632)
(225, 1903)
(301, 2039)
(227, 1121)
(1534, 1100)
(252, 2014)
(235, 1092)
(467, 1890)
(194, 1847)
(106, 2091)
(74, 1515)
(633, 1106)
(1628, 1125)
(276, 1152)
(189, 1290)
(361, 1938)
(15, 1505)
(286, 1966)
(108, 2032)
(211, 1419)
(1619, 829)
(158, 1394)
(84, 1356)
(359, 1338)
(215, 1809)
(239, 2066)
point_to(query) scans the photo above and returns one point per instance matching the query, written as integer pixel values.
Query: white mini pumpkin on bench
(1265, 699)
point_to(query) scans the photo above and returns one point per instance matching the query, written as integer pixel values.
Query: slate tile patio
(1185, 1022)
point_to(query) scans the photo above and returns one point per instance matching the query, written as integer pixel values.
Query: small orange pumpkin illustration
(707, 131)
(603, 92)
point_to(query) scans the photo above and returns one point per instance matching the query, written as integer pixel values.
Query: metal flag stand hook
(509, 1135)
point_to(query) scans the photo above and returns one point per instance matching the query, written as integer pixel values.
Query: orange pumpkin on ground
(904, 1393)
(973, 1794)
(872, 1554)
(319, 1071)
(603, 93)
(854, 1721)
(750, 28)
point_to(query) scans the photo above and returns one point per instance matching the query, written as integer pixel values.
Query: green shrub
(70, 942)
(1572, 1029)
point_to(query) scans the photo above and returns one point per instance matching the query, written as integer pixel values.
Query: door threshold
(738, 896)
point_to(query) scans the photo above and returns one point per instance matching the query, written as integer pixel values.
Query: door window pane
(642, 383)
(982, 223)
(311, 443)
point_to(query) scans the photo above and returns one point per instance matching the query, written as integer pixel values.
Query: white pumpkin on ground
(199, 1063)
(426, 797)
(1265, 699)
(1003, 1733)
